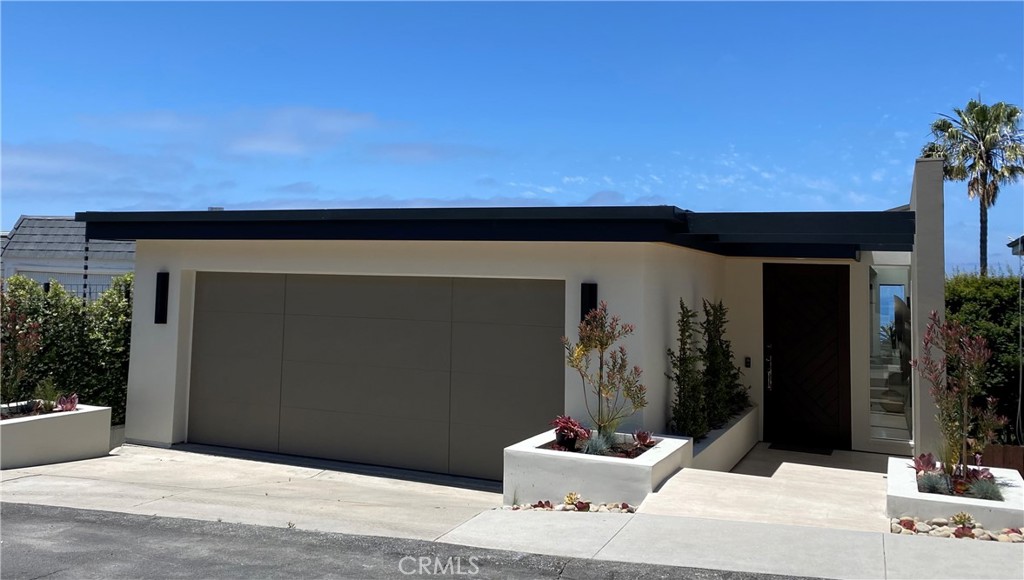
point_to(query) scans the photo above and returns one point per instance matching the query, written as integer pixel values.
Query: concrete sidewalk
(738, 546)
(324, 497)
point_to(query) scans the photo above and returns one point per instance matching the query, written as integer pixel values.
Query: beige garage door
(437, 374)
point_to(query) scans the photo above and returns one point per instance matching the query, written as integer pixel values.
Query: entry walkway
(845, 490)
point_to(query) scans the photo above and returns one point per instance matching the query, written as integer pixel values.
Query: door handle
(768, 366)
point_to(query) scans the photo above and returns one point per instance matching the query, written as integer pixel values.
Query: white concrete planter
(55, 437)
(903, 499)
(532, 474)
(723, 448)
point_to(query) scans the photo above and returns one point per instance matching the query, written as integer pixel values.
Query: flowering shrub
(614, 384)
(956, 373)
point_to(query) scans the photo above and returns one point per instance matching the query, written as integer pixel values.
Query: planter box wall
(723, 448)
(903, 499)
(55, 437)
(532, 474)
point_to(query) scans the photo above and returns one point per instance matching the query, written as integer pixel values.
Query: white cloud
(878, 175)
(574, 179)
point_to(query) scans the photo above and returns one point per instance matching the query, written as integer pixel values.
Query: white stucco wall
(641, 283)
(927, 288)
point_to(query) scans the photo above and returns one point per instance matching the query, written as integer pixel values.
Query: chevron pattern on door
(807, 350)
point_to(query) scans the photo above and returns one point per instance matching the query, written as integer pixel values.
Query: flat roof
(766, 234)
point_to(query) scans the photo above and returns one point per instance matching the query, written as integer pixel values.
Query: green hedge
(989, 305)
(83, 346)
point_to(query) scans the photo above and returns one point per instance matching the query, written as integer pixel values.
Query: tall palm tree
(983, 145)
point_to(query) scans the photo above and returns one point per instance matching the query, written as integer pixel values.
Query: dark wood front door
(807, 355)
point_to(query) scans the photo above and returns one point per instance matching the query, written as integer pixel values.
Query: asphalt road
(53, 542)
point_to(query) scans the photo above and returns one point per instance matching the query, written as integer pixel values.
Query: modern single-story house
(430, 338)
(46, 248)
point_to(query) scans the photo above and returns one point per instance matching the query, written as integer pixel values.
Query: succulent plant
(644, 439)
(582, 506)
(543, 504)
(568, 427)
(571, 498)
(925, 463)
(962, 519)
(985, 489)
(67, 403)
(979, 474)
(933, 483)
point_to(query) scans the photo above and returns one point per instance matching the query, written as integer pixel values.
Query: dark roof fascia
(614, 213)
(781, 234)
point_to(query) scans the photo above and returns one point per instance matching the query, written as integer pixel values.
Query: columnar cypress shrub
(724, 395)
(689, 416)
(112, 337)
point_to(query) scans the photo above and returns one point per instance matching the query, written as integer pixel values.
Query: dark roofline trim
(778, 234)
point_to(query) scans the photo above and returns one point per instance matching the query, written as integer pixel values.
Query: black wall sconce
(162, 283)
(588, 298)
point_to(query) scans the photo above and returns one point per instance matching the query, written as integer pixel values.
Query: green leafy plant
(689, 415)
(614, 385)
(55, 334)
(988, 305)
(46, 394)
(956, 375)
(985, 489)
(724, 394)
(19, 337)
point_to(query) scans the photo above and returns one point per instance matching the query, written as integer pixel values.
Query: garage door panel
(436, 374)
(415, 344)
(504, 301)
(477, 452)
(526, 405)
(246, 423)
(227, 379)
(410, 444)
(233, 292)
(233, 334)
(387, 392)
(519, 351)
(402, 298)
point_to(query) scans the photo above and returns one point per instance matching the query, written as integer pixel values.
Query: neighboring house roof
(53, 237)
(1017, 246)
(770, 234)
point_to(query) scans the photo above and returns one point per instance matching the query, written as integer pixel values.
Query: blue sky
(707, 106)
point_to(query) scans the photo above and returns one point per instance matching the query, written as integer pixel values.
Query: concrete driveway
(316, 495)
